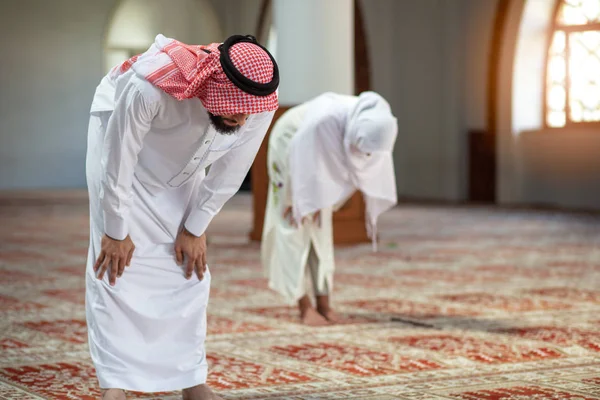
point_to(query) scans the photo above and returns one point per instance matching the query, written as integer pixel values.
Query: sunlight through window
(573, 70)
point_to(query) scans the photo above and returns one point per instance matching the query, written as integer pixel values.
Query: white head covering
(330, 159)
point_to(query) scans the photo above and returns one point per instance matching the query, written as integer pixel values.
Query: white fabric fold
(331, 158)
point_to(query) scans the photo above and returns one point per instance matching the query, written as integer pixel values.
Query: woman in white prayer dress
(320, 153)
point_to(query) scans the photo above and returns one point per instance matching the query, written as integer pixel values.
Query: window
(573, 68)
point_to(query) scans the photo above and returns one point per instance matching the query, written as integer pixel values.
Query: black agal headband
(237, 78)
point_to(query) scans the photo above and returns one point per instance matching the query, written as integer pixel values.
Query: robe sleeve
(278, 167)
(315, 151)
(288, 201)
(127, 126)
(227, 174)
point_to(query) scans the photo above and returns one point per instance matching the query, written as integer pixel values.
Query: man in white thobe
(319, 154)
(157, 121)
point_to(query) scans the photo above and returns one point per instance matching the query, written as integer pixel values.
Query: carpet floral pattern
(459, 303)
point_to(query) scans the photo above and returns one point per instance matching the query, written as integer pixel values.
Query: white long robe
(312, 168)
(146, 160)
(285, 248)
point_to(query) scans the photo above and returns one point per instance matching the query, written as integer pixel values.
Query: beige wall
(559, 168)
(420, 51)
(479, 22)
(539, 166)
(135, 24)
(51, 62)
(429, 59)
(238, 16)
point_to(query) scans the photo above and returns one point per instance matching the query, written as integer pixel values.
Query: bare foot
(312, 318)
(200, 392)
(324, 308)
(331, 316)
(113, 394)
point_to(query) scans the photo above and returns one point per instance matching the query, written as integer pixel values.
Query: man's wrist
(116, 240)
(115, 227)
(197, 222)
(188, 233)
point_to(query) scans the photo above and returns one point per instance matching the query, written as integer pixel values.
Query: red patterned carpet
(460, 303)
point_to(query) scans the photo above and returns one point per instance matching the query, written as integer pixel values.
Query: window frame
(554, 27)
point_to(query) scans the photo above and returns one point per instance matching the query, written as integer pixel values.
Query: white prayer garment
(319, 154)
(146, 159)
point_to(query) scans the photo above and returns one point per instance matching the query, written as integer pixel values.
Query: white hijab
(329, 158)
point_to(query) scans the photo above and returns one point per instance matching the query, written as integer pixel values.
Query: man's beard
(220, 126)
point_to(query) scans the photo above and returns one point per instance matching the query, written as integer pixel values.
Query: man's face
(228, 124)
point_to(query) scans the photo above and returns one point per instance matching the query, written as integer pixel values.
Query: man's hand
(287, 215)
(115, 254)
(317, 218)
(193, 250)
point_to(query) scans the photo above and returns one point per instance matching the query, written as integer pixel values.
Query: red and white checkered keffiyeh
(187, 71)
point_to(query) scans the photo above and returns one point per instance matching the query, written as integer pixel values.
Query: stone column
(315, 48)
